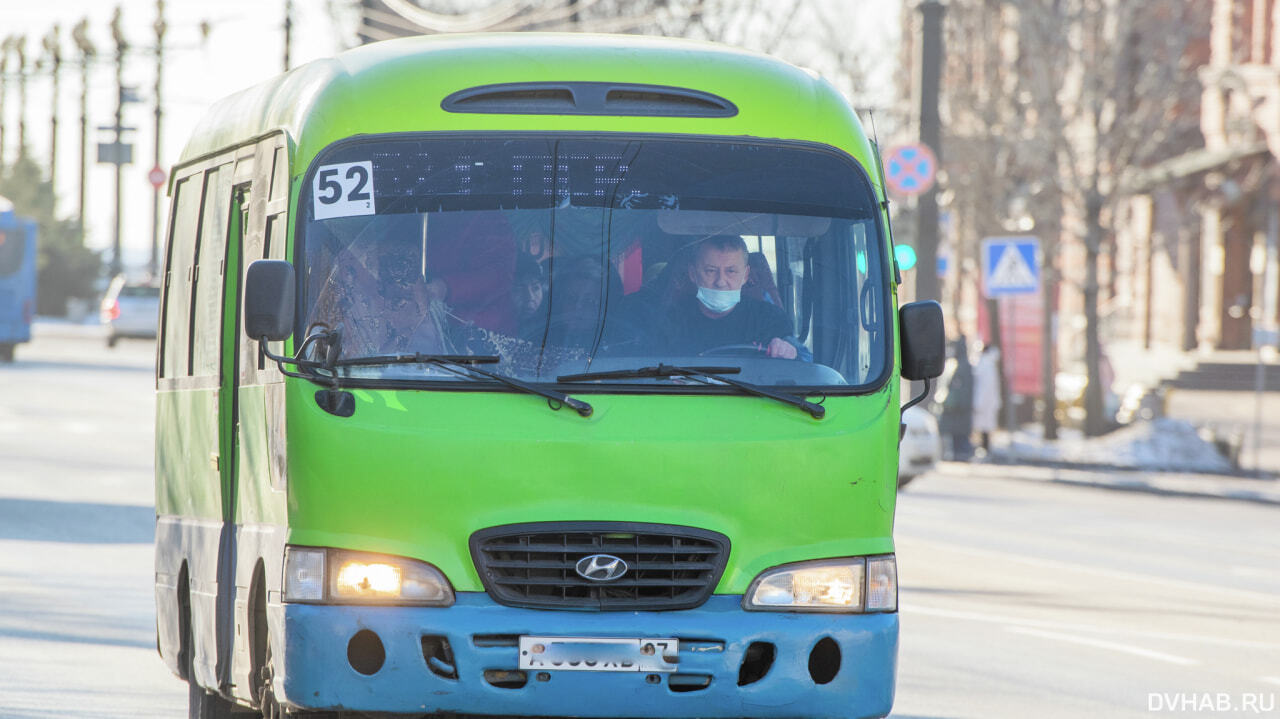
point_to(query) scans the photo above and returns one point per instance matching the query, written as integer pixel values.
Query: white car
(130, 309)
(921, 445)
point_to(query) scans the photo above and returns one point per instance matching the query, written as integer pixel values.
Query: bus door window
(209, 273)
(177, 280)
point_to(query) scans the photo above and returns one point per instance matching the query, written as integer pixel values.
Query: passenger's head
(528, 289)
(400, 264)
(720, 263)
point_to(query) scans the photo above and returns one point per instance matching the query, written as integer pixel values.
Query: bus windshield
(564, 255)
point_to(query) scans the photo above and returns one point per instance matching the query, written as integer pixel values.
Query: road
(1023, 599)
(77, 522)
(1019, 599)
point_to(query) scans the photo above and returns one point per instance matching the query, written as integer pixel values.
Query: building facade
(1197, 259)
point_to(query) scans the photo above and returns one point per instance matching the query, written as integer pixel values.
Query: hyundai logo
(601, 568)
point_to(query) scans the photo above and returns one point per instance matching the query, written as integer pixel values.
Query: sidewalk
(1214, 439)
(1265, 491)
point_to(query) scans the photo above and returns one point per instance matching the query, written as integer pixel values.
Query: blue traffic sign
(910, 169)
(1010, 266)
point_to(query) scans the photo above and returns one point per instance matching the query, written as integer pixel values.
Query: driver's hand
(781, 349)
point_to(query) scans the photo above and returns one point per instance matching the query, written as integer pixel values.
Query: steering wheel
(734, 350)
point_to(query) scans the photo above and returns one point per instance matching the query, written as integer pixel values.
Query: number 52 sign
(343, 190)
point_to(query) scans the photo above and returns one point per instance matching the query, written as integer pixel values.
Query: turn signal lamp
(882, 584)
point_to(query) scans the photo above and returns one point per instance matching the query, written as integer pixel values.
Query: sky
(244, 46)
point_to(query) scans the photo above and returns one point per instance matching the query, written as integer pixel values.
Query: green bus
(542, 375)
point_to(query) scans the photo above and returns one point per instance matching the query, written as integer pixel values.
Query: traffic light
(905, 256)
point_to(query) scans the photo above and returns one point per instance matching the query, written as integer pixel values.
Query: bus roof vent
(588, 98)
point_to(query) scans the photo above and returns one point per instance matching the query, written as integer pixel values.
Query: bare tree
(809, 33)
(1000, 155)
(1050, 103)
(1116, 89)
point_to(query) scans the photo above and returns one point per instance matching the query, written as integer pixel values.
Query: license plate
(587, 654)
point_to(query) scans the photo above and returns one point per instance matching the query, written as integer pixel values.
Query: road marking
(909, 608)
(77, 427)
(1099, 643)
(1254, 572)
(1265, 597)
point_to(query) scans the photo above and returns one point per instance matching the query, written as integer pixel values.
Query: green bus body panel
(187, 484)
(415, 473)
(259, 501)
(398, 85)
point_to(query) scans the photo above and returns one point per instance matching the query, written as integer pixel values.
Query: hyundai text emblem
(601, 568)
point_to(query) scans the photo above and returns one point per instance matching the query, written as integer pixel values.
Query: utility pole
(52, 46)
(931, 135)
(20, 46)
(4, 89)
(79, 33)
(155, 187)
(288, 31)
(122, 46)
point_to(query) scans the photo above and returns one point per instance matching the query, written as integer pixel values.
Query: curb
(1259, 491)
(63, 329)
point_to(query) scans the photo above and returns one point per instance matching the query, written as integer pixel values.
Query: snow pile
(1163, 444)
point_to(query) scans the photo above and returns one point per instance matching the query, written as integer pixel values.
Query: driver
(718, 316)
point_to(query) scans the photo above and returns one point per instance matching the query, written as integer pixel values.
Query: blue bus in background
(17, 279)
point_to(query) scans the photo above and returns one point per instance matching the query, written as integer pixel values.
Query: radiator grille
(533, 565)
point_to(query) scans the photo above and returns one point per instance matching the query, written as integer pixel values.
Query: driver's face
(718, 269)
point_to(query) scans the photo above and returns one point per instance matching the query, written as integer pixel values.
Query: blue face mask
(719, 300)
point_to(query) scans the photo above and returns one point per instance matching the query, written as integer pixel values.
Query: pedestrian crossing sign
(1010, 266)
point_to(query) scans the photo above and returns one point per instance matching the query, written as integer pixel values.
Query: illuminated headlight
(334, 576)
(854, 584)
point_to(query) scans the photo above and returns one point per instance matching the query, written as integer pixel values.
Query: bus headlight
(334, 576)
(853, 584)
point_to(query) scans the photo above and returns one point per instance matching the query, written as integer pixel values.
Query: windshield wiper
(817, 411)
(465, 366)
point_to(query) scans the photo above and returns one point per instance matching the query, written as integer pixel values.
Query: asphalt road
(1022, 599)
(1019, 599)
(77, 523)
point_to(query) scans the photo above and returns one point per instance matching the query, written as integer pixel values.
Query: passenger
(471, 263)
(576, 294)
(528, 293)
(382, 305)
(717, 315)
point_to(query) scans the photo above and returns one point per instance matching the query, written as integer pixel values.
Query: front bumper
(315, 671)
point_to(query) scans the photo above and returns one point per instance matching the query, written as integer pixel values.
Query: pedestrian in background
(956, 420)
(986, 394)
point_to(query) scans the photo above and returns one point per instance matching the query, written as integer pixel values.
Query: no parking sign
(910, 169)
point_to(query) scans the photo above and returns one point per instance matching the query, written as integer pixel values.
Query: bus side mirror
(923, 340)
(268, 300)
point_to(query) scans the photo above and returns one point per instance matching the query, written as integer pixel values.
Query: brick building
(1197, 262)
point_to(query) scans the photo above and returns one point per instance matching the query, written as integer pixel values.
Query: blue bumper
(317, 673)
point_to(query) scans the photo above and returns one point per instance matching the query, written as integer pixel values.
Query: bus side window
(175, 344)
(279, 174)
(209, 274)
